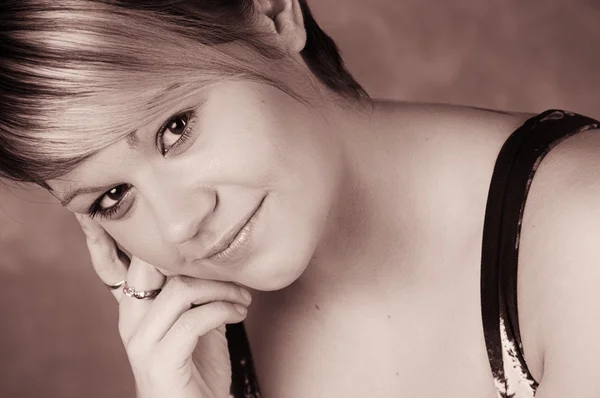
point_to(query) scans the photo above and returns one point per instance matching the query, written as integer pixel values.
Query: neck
(367, 223)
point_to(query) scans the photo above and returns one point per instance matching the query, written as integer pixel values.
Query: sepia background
(58, 334)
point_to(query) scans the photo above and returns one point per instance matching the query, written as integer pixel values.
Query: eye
(114, 195)
(110, 203)
(175, 132)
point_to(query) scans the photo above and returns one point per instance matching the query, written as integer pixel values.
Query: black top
(515, 166)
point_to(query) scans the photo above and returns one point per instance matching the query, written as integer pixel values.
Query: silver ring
(116, 285)
(141, 294)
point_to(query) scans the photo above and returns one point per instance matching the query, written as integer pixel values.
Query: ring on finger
(116, 285)
(140, 294)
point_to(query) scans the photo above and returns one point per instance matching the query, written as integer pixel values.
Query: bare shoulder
(559, 269)
(456, 144)
(461, 118)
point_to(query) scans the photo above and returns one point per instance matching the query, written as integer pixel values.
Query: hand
(175, 343)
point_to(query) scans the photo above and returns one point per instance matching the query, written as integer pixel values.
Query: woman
(225, 166)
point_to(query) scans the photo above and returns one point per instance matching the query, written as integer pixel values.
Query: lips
(226, 241)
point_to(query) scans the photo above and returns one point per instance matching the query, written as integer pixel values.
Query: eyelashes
(117, 194)
(183, 130)
(180, 127)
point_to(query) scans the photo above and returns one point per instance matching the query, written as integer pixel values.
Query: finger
(182, 338)
(181, 294)
(109, 262)
(141, 276)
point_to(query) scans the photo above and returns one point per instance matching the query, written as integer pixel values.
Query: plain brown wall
(58, 335)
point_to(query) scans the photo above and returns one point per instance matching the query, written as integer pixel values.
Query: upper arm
(561, 245)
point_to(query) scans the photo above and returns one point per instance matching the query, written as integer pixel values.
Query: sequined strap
(515, 167)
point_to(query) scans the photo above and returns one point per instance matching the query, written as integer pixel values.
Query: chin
(286, 240)
(269, 276)
(278, 269)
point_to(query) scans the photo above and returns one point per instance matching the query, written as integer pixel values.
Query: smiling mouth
(235, 240)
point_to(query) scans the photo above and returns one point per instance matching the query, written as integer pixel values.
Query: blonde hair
(63, 59)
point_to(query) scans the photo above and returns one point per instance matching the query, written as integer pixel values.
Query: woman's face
(173, 193)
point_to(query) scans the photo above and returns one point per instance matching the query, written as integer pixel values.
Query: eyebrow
(72, 194)
(132, 139)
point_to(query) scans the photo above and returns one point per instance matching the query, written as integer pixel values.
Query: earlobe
(287, 22)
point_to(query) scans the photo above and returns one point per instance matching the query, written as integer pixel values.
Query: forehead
(110, 128)
(87, 125)
(94, 176)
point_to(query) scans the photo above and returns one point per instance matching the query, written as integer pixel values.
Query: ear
(284, 19)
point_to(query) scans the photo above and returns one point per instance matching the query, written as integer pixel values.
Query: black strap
(515, 167)
(244, 383)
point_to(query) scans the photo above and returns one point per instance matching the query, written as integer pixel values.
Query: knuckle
(185, 288)
(108, 257)
(105, 253)
(155, 370)
(244, 293)
(131, 340)
(221, 308)
(148, 370)
(123, 330)
(92, 239)
(112, 256)
(180, 283)
(135, 349)
(103, 256)
(205, 292)
(98, 242)
(187, 325)
(234, 293)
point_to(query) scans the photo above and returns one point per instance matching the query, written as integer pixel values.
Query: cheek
(286, 238)
(241, 148)
(140, 239)
(258, 133)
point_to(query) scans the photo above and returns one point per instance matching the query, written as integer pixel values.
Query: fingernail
(240, 308)
(246, 295)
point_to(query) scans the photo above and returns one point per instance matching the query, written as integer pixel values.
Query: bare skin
(406, 302)
(365, 263)
(388, 293)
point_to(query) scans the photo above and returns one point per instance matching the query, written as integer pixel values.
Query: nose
(180, 215)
